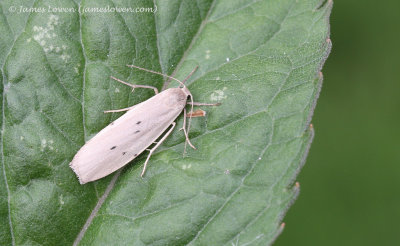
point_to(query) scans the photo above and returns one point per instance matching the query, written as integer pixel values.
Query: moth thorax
(176, 97)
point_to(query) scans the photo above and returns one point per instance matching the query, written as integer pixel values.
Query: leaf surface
(260, 59)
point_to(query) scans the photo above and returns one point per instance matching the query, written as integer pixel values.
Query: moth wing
(127, 137)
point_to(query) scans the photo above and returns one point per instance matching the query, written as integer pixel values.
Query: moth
(127, 137)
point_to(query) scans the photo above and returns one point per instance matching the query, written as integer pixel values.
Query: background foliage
(350, 185)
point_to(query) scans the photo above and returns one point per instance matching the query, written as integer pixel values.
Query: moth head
(187, 92)
(175, 97)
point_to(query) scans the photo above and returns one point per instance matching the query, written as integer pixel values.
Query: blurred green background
(350, 184)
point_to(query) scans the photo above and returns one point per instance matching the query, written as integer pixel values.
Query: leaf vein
(58, 78)
(7, 22)
(83, 76)
(252, 51)
(250, 170)
(270, 189)
(237, 10)
(53, 124)
(2, 147)
(158, 40)
(234, 192)
(196, 36)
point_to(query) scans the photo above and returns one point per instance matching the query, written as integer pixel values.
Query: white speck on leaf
(218, 95)
(184, 166)
(51, 142)
(208, 54)
(65, 57)
(44, 34)
(60, 198)
(43, 145)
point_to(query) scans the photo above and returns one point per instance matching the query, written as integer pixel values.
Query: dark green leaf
(260, 59)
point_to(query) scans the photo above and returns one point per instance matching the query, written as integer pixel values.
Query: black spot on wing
(123, 153)
(137, 131)
(113, 147)
(137, 123)
(135, 155)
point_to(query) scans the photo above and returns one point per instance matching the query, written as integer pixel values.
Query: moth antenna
(191, 109)
(151, 71)
(190, 74)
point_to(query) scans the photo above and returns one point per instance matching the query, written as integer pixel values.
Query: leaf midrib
(3, 128)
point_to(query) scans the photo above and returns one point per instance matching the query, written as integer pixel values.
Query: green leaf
(260, 59)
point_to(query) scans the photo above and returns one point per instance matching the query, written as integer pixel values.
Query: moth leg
(197, 113)
(136, 86)
(119, 110)
(156, 146)
(184, 129)
(133, 86)
(203, 104)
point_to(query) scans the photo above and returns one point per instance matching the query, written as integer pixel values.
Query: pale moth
(124, 139)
